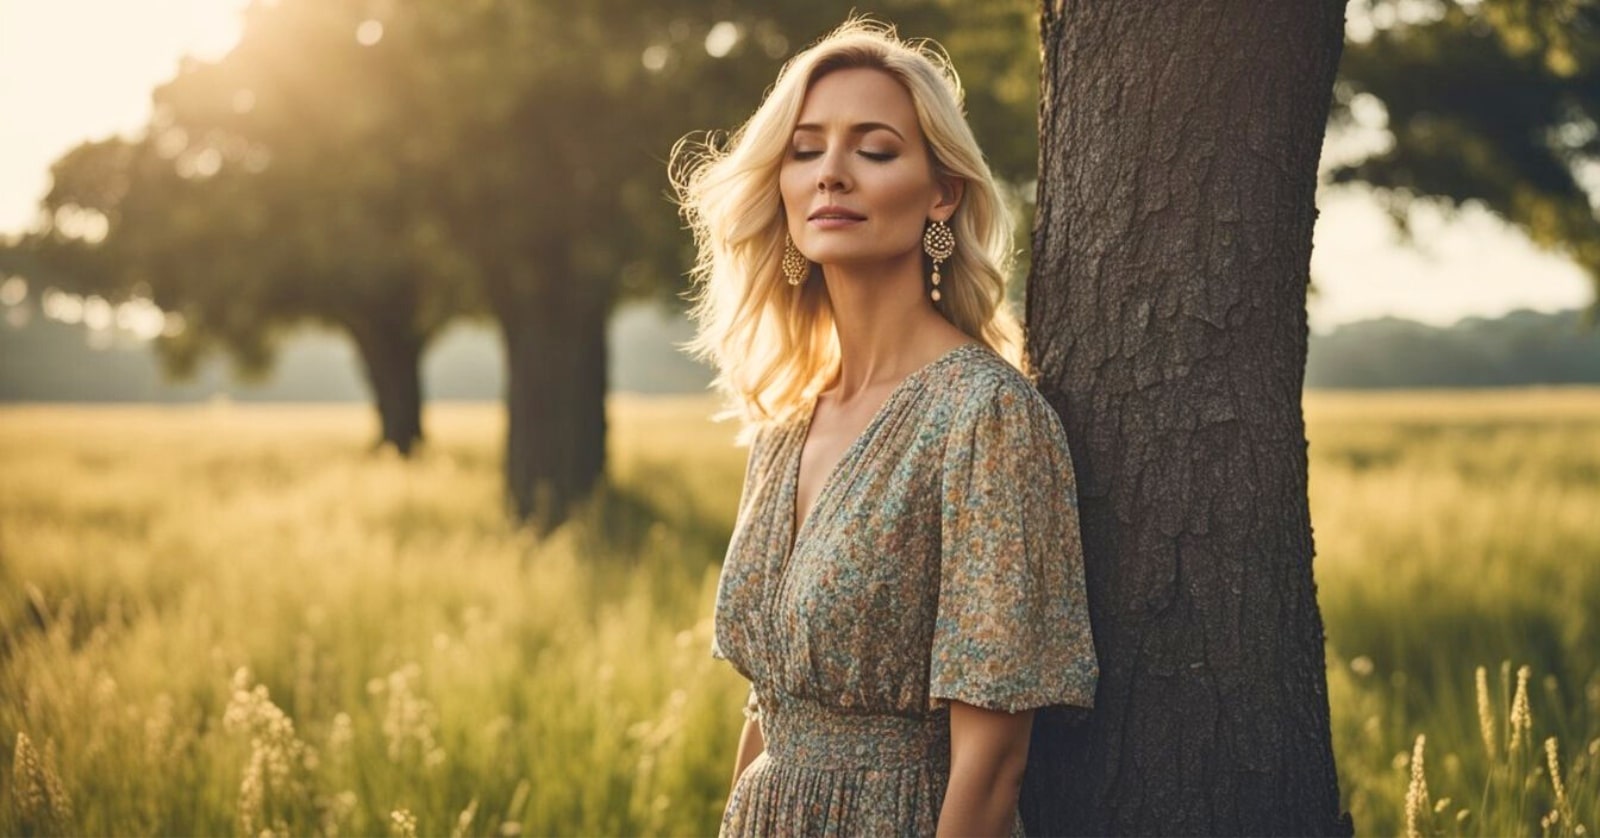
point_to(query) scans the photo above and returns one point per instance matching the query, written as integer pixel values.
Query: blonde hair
(774, 345)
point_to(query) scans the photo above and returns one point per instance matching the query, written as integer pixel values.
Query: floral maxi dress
(941, 560)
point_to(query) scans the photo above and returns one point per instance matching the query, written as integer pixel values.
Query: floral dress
(941, 560)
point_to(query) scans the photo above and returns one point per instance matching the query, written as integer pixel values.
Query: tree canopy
(1495, 102)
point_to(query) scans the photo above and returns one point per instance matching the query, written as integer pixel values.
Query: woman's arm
(750, 746)
(988, 753)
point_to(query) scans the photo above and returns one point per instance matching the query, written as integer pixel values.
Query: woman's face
(857, 182)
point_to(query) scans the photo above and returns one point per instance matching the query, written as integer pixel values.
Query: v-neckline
(797, 528)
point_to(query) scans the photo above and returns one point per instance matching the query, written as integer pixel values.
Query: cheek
(793, 188)
(902, 199)
(902, 192)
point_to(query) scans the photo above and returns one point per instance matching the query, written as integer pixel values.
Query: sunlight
(13, 291)
(369, 32)
(83, 69)
(138, 317)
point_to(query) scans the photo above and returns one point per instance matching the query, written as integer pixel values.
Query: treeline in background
(46, 360)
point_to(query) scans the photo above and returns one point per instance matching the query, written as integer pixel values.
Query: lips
(836, 213)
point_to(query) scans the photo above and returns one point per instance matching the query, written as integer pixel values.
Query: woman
(904, 585)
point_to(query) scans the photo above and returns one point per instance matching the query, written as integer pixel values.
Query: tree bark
(1166, 315)
(392, 362)
(555, 400)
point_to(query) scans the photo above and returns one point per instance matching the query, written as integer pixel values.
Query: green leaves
(1494, 101)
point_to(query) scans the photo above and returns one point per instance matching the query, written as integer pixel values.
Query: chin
(846, 255)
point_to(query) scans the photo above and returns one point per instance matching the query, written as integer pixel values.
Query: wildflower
(1417, 793)
(1486, 715)
(158, 730)
(342, 732)
(26, 791)
(274, 775)
(1521, 715)
(464, 820)
(36, 790)
(1552, 752)
(409, 720)
(402, 824)
(335, 810)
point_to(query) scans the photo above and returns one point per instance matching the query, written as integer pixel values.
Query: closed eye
(878, 156)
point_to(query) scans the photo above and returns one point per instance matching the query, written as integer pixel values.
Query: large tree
(1166, 312)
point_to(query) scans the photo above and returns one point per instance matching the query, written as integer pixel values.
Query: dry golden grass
(229, 618)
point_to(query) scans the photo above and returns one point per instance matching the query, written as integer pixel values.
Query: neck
(886, 322)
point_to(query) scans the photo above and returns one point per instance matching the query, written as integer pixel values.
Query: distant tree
(1494, 102)
(268, 192)
(1166, 314)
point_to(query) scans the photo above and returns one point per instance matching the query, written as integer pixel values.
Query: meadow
(230, 619)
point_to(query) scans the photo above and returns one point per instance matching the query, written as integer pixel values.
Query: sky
(72, 70)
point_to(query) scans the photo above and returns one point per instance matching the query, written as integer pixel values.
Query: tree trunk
(1166, 314)
(392, 362)
(555, 399)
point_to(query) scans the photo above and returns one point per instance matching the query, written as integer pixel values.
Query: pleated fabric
(837, 774)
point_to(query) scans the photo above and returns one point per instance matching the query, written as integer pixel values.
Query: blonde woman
(904, 585)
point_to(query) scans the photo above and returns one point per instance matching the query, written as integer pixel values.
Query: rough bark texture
(1166, 314)
(391, 361)
(555, 399)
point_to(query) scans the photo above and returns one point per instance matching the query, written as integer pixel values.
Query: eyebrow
(858, 128)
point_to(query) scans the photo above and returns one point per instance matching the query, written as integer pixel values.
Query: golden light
(369, 32)
(72, 70)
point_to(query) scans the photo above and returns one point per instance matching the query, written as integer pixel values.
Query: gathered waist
(803, 732)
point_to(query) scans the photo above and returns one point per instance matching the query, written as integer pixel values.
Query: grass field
(228, 619)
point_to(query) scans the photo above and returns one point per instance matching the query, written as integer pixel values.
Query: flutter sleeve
(1012, 627)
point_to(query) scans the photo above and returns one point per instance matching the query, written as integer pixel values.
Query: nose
(831, 176)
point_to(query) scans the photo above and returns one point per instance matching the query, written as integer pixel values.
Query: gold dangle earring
(794, 262)
(939, 243)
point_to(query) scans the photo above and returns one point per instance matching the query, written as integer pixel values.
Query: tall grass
(229, 620)
(1459, 534)
(232, 620)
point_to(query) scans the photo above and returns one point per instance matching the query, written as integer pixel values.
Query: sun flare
(80, 69)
